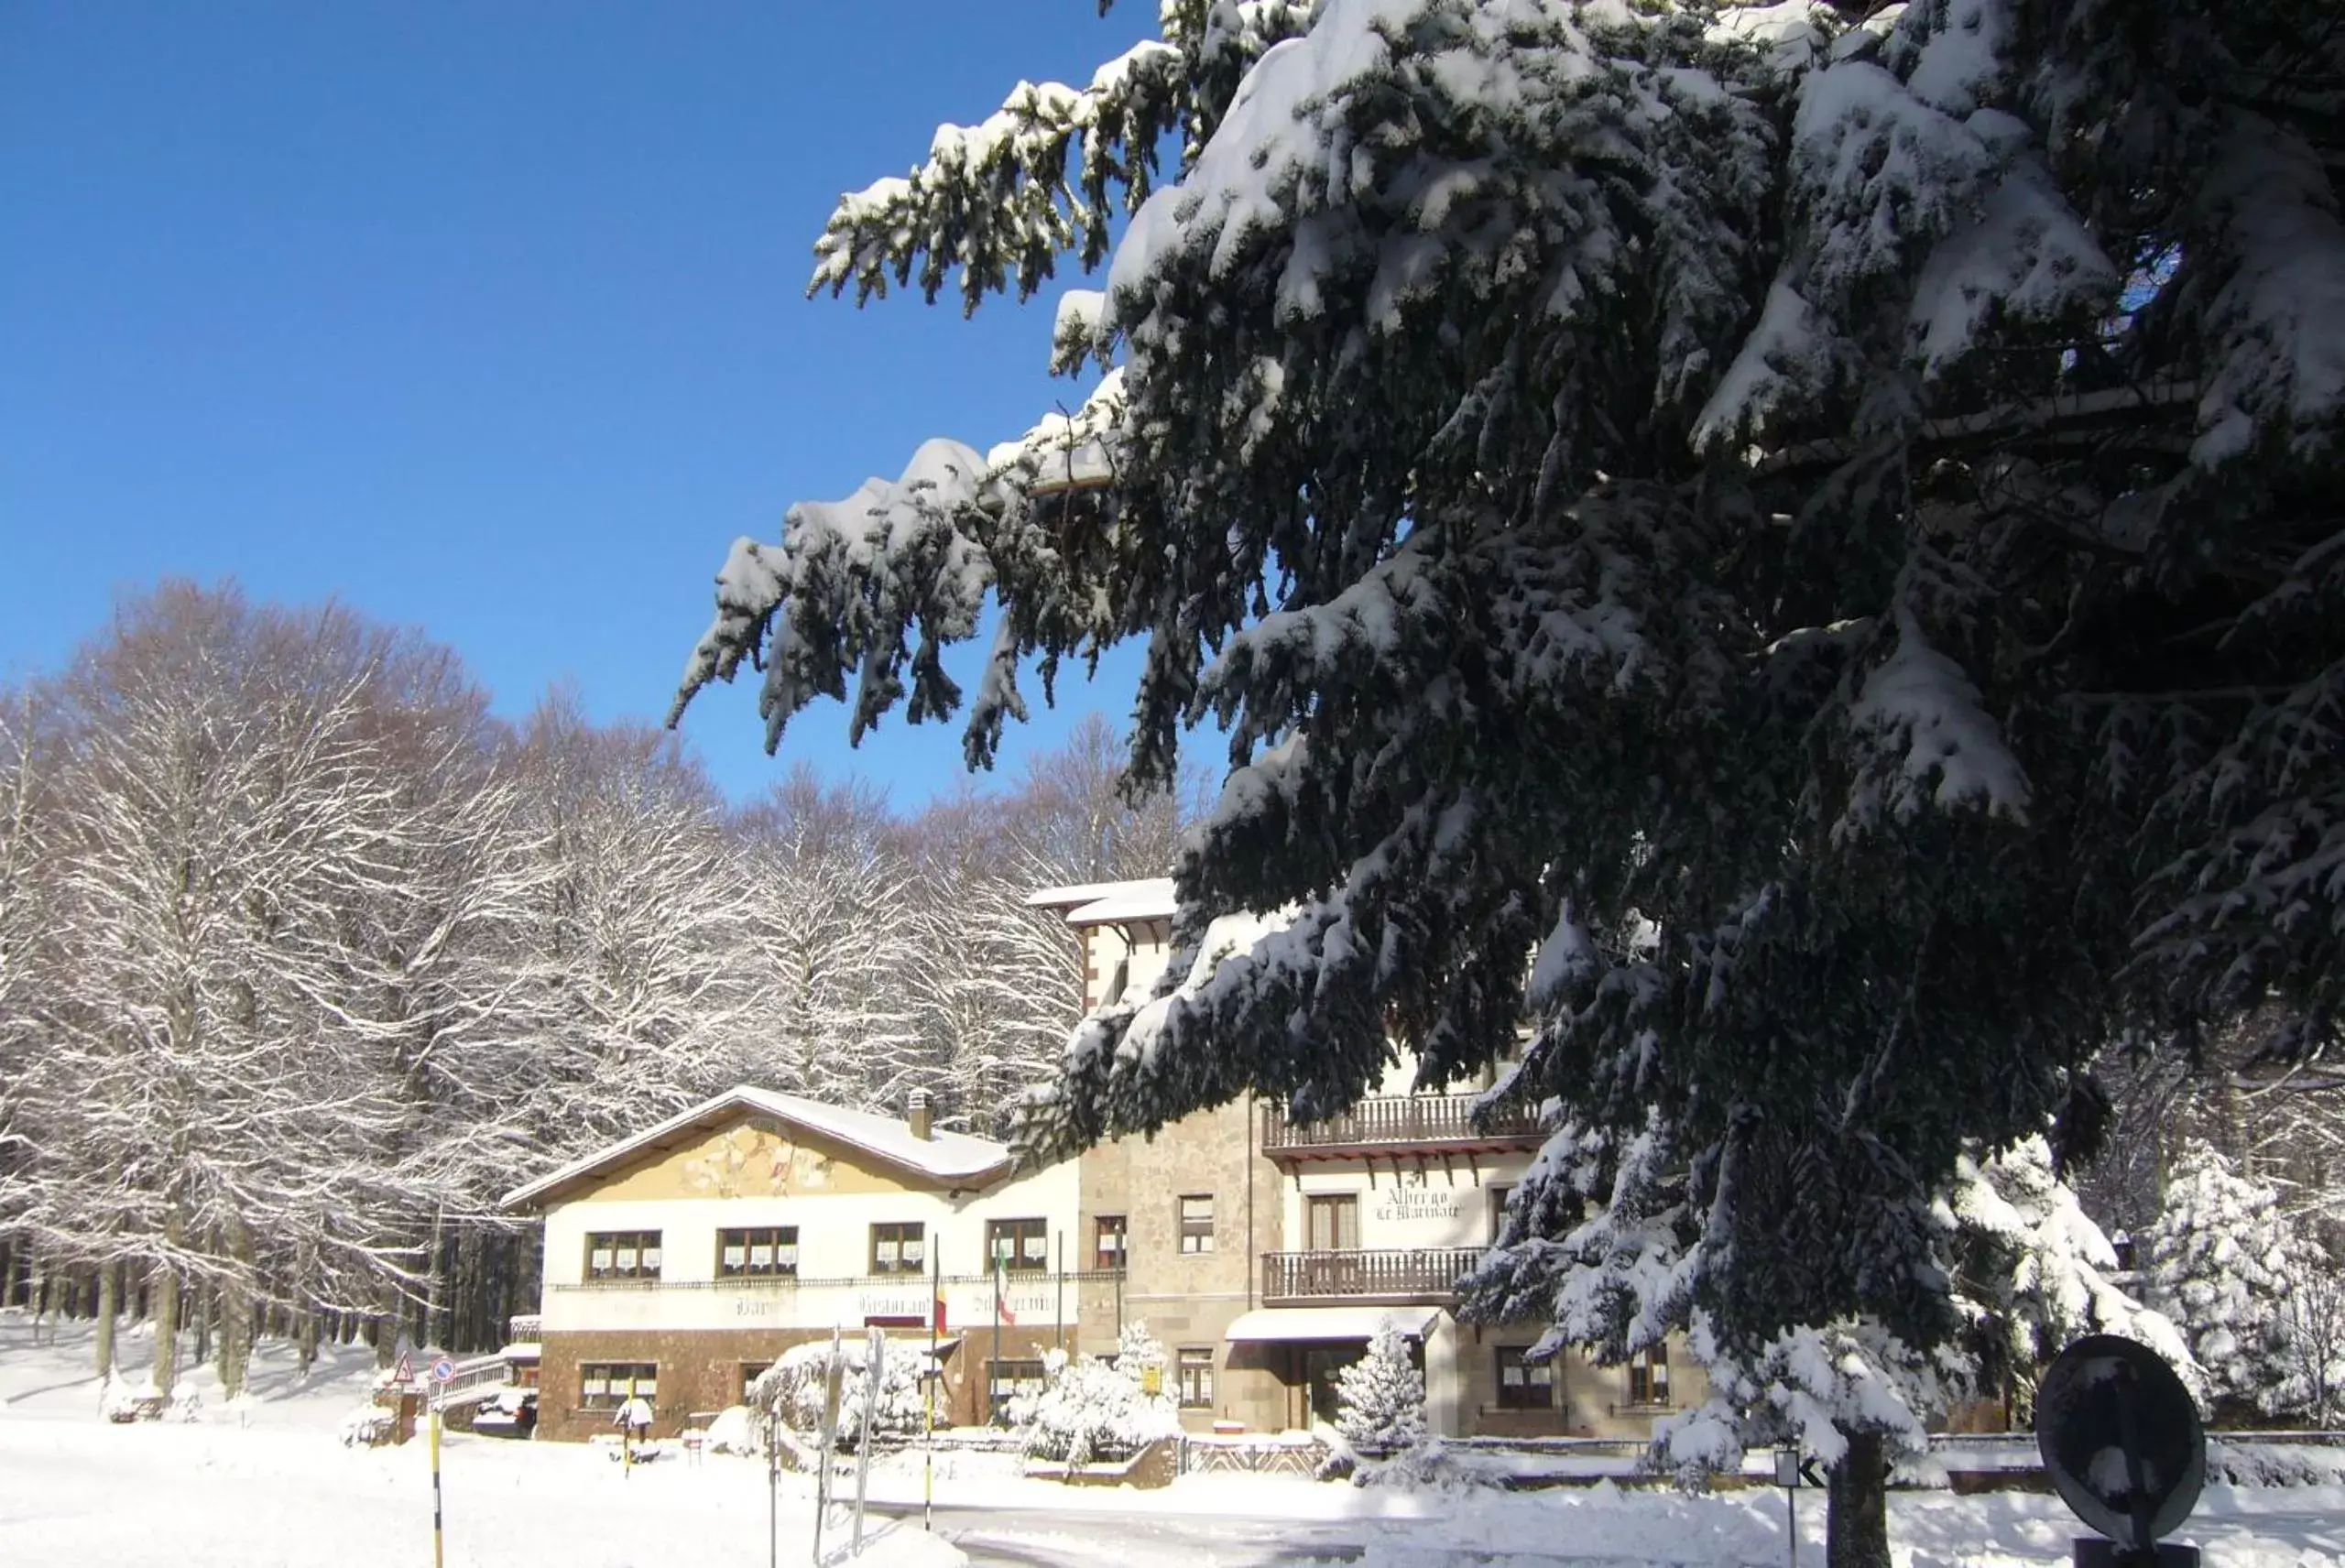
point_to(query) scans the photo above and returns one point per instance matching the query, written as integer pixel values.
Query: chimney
(918, 1115)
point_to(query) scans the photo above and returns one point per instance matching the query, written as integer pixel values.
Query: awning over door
(1296, 1323)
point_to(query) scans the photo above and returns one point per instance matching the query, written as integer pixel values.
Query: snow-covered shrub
(2217, 1260)
(736, 1430)
(1342, 1461)
(123, 1401)
(1092, 1409)
(793, 1387)
(1380, 1397)
(366, 1427)
(1432, 1466)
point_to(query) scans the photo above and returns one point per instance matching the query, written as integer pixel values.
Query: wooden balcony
(1414, 1274)
(1395, 1123)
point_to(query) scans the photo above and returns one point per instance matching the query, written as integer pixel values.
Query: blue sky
(485, 317)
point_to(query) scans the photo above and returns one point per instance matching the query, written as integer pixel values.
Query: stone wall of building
(1189, 1298)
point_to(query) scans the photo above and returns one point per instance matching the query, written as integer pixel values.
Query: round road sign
(2121, 1439)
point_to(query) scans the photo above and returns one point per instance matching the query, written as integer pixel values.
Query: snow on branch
(853, 580)
(1047, 172)
(996, 200)
(2278, 316)
(1921, 703)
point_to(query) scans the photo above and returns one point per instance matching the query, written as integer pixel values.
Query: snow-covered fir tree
(2219, 1259)
(1785, 510)
(1380, 1397)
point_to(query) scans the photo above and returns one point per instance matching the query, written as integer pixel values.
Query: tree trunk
(383, 1329)
(109, 1287)
(1856, 1521)
(12, 1256)
(235, 1297)
(164, 1295)
(49, 1300)
(305, 1339)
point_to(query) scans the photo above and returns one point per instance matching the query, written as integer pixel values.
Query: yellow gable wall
(753, 1158)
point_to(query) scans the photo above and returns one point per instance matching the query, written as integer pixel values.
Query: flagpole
(992, 1376)
(936, 1387)
(1059, 1310)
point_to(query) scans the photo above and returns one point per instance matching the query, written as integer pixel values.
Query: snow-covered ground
(272, 1484)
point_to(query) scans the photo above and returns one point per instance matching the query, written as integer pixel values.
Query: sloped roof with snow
(1078, 893)
(1110, 903)
(951, 1158)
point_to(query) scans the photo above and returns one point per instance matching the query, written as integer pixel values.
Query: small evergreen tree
(2218, 1261)
(1380, 1397)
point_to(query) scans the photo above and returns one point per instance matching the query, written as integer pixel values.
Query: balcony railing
(1411, 1274)
(1397, 1120)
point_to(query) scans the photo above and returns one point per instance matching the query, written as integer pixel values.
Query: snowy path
(281, 1490)
(1022, 1538)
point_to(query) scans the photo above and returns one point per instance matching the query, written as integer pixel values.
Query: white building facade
(683, 1261)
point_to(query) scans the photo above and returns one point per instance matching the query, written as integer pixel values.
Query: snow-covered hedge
(2274, 1463)
(1091, 1410)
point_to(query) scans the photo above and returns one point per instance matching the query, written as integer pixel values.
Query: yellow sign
(1152, 1380)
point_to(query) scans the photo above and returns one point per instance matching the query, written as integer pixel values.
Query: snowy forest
(306, 957)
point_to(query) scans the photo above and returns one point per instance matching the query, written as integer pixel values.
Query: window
(1499, 1198)
(900, 1248)
(763, 1252)
(1649, 1376)
(1196, 1370)
(623, 1255)
(607, 1385)
(1111, 1241)
(1524, 1384)
(1196, 1222)
(1017, 1243)
(1331, 1221)
(1008, 1380)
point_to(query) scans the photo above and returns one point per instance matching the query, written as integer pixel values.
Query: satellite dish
(2121, 1439)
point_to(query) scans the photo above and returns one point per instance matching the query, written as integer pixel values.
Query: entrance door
(1319, 1365)
(1331, 1234)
